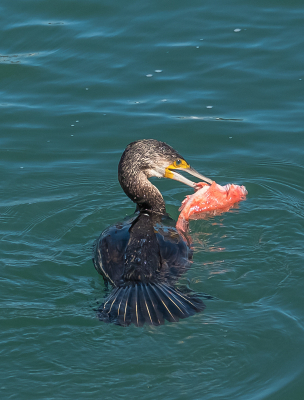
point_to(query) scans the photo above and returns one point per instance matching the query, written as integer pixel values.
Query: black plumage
(144, 256)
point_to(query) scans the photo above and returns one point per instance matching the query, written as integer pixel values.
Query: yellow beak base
(176, 165)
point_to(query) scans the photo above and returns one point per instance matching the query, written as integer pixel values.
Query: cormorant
(143, 256)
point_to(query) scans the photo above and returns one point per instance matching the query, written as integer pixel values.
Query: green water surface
(226, 92)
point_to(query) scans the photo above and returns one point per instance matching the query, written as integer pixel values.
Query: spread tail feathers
(140, 303)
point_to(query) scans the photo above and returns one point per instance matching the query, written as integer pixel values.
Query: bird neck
(141, 191)
(142, 255)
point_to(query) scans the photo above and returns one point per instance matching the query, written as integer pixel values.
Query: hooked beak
(170, 173)
(193, 172)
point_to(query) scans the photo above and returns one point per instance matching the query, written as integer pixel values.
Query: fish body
(209, 198)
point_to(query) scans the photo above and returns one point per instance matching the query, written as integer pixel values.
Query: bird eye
(178, 162)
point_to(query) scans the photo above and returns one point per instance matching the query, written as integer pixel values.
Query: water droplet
(72, 125)
(149, 75)
(77, 121)
(209, 107)
(21, 167)
(201, 39)
(72, 135)
(158, 70)
(197, 47)
(237, 30)
(87, 88)
(164, 100)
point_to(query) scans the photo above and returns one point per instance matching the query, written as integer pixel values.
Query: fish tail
(140, 303)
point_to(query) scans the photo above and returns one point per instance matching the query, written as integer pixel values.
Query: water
(74, 93)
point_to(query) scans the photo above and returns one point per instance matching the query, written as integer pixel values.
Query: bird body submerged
(209, 198)
(143, 257)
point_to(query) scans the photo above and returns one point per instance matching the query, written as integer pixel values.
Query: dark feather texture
(145, 255)
(141, 303)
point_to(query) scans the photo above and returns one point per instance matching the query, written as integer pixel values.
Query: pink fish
(208, 198)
